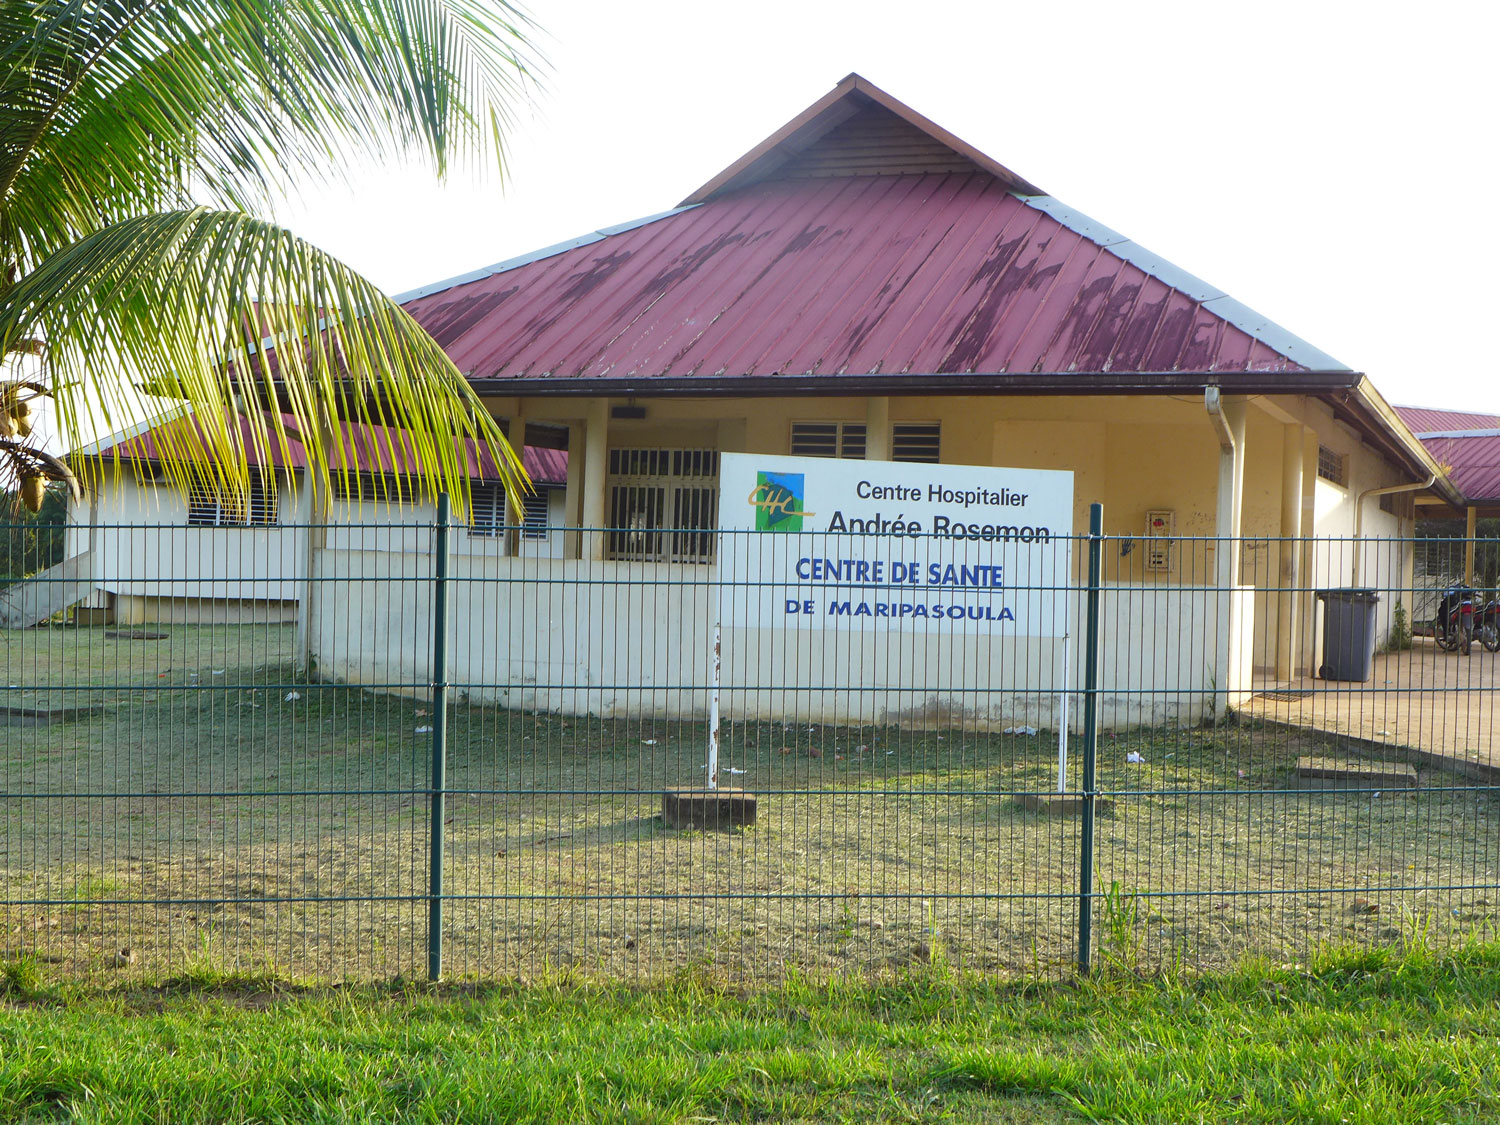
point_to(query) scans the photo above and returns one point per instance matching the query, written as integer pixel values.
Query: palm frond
(114, 108)
(243, 320)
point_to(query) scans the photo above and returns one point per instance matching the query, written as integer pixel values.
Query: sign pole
(1062, 726)
(713, 718)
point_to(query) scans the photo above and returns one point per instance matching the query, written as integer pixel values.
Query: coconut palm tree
(139, 142)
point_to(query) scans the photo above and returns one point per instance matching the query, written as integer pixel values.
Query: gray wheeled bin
(1348, 633)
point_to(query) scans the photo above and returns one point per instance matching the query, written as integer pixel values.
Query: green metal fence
(410, 749)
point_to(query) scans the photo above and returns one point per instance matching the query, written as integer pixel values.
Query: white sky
(1327, 163)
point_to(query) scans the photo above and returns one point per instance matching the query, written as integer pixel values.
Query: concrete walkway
(1427, 700)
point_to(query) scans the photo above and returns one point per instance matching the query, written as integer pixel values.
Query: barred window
(534, 515)
(910, 441)
(487, 509)
(1333, 466)
(916, 441)
(663, 505)
(829, 439)
(211, 506)
(365, 487)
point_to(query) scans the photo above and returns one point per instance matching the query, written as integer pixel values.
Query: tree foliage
(140, 141)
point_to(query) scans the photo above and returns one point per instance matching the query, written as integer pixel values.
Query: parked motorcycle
(1487, 624)
(1456, 620)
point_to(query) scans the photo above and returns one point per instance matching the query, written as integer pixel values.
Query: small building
(157, 555)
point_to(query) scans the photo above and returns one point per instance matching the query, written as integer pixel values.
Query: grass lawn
(219, 816)
(1358, 1037)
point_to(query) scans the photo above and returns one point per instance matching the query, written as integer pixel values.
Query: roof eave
(1379, 419)
(845, 385)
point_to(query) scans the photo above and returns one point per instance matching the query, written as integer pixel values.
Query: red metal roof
(923, 274)
(1424, 420)
(372, 449)
(1473, 463)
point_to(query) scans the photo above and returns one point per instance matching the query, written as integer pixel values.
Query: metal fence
(367, 751)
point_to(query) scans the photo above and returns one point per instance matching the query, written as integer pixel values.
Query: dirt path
(1426, 699)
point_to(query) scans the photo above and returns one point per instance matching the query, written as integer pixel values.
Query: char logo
(778, 501)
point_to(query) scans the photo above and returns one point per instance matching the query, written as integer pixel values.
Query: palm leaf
(116, 115)
(232, 314)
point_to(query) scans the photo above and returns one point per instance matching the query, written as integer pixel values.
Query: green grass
(1356, 1037)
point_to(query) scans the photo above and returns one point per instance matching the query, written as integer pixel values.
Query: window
(363, 487)
(1399, 504)
(211, 506)
(663, 505)
(910, 441)
(829, 439)
(915, 441)
(534, 515)
(1333, 466)
(487, 509)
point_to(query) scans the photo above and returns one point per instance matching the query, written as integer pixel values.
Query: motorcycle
(1456, 621)
(1487, 625)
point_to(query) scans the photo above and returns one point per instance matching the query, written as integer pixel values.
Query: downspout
(1359, 512)
(1212, 404)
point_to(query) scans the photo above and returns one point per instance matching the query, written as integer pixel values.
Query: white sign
(817, 543)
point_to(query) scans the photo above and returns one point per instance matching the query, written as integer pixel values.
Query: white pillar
(1227, 670)
(595, 464)
(1287, 618)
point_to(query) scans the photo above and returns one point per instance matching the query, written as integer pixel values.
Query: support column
(1227, 551)
(1288, 621)
(1231, 492)
(1307, 600)
(515, 433)
(877, 429)
(595, 462)
(1469, 529)
(573, 493)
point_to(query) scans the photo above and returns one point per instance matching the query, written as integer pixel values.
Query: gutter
(986, 383)
(1359, 512)
(1212, 402)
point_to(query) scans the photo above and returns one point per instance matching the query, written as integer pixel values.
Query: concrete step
(52, 591)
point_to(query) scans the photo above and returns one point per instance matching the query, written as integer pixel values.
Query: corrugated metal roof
(1426, 420)
(1474, 464)
(373, 449)
(924, 274)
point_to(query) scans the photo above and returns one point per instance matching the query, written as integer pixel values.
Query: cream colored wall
(634, 640)
(143, 549)
(1131, 453)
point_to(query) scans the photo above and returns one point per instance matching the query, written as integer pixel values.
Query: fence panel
(219, 753)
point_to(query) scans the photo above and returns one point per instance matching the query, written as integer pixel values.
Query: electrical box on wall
(1161, 528)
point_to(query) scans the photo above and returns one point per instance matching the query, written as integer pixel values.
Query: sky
(1329, 164)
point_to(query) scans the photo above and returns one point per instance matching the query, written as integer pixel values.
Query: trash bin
(1348, 633)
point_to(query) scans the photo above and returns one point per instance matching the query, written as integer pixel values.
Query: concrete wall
(151, 566)
(634, 640)
(146, 557)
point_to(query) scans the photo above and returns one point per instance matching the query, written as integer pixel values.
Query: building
(157, 555)
(864, 284)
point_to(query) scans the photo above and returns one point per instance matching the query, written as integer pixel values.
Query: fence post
(1090, 739)
(439, 740)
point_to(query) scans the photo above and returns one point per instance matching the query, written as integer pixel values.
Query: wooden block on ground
(1332, 773)
(1063, 804)
(708, 808)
